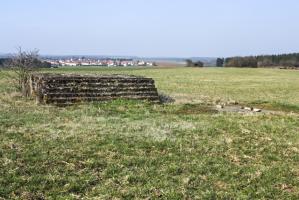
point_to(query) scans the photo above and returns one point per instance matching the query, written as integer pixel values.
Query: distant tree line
(36, 62)
(283, 60)
(249, 61)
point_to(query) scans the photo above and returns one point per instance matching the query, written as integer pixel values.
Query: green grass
(135, 150)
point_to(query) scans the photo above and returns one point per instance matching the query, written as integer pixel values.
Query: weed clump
(165, 99)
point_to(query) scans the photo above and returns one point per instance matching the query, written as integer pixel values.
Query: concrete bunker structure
(64, 89)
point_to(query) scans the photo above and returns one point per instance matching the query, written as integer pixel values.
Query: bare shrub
(19, 68)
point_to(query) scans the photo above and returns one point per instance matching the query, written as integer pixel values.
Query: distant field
(196, 85)
(135, 150)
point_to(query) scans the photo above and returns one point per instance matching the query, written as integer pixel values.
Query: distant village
(108, 62)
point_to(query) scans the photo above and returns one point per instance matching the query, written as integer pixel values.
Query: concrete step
(107, 98)
(114, 94)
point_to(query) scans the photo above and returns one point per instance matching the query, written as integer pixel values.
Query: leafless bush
(19, 69)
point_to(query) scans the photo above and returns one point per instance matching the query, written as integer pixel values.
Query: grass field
(136, 150)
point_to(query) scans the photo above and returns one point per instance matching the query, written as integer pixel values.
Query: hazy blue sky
(151, 27)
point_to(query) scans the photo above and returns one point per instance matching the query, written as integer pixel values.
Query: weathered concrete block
(70, 88)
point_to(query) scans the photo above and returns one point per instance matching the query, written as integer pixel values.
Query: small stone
(248, 108)
(232, 102)
(257, 110)
(219, 106)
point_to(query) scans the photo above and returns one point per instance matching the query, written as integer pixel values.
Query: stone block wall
(70, 88)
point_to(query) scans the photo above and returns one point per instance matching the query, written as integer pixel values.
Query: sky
(150, 28)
